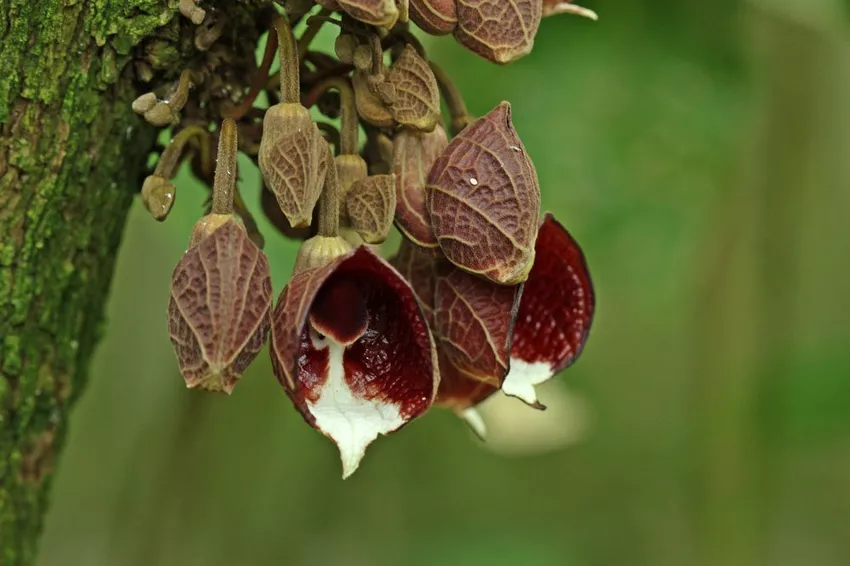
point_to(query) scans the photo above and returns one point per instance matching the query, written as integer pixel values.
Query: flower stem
(290, 67)
(224, 184)
(257, 84)
(314, 25)
(329, 201)
(170, 159)
(348, 111)
(457, 107)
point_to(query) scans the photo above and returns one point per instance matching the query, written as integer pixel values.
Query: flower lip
(370, 368)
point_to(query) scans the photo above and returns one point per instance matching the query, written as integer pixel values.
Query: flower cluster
(482, 295)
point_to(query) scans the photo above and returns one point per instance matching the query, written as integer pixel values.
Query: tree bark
(72, 154)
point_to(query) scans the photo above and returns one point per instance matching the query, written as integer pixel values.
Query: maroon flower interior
(390, 359)
(558, 303)
(340, 311)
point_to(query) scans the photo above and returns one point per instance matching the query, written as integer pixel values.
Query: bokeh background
(700, 152)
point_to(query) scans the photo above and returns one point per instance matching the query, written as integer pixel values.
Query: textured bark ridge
(72, 154)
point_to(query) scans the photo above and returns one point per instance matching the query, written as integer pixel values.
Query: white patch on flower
(351, 422)
(522, 378)
(473, 418)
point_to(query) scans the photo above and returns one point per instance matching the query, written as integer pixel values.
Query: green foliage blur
(700, 152)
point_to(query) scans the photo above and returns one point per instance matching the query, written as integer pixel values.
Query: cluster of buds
(483, 295)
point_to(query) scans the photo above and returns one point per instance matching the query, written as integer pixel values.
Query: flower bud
(437, 17)
(371, 204)
(370, 107)
(410, 91)
(500, 32)
(293, 160)
(413, 155)
(344, 47)
(381, 13)
(158, 196)
(350, 168)
(217, 334)
(484, 200)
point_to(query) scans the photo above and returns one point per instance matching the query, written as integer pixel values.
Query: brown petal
(381, 13)
(473, 322)
(498, 30)
(485, 198)
(381, 380)
(437, 17)
(219, 312)
(413, 155)
(410, 91)
(293, 161)
(370, 205)
(555, 314)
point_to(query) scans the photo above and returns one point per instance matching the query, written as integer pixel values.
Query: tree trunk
(72, 154)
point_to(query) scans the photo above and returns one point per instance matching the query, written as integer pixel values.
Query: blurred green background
(700, 152)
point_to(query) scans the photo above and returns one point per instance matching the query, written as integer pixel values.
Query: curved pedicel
(352, 349)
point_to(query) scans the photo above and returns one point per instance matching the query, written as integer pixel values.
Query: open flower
(352, 349)
(555, 313)
(543, 336)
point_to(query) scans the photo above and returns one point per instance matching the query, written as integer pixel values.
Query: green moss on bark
(71, 152)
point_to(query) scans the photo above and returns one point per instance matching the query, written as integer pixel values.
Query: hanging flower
(352, 349)
(477, 322)
(555, 313)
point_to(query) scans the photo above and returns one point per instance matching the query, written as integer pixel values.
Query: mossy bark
(71, 156)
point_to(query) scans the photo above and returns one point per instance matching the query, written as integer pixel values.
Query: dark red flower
(555, 313)
(352, 349)
(544, 336)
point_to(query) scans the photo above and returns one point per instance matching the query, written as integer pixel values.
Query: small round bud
(344, 47)
(158, 196)
(371, 205)
(362, 58)
(144, 103)
(370, 108)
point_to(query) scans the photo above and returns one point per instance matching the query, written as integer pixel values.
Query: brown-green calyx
(292, 154)
(221, 300)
